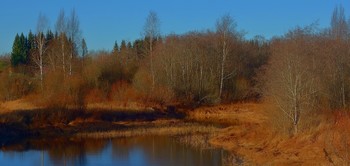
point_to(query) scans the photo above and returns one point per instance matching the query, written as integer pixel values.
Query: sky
(105, 21)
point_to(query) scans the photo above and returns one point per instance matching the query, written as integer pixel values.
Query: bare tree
(339, 26)
(340, 34)
(61, 29)
(290, 79)
(225, 28)
(152, 32)
(42, 26)
(74, 35)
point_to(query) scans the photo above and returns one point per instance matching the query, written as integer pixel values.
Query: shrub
(14, 85)
(64, 91)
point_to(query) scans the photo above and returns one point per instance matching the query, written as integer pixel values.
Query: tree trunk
(41, 71)
(70, 62)
(63, 57)
(343, 91)
(151, 58)
(222, 67)
(295, 128)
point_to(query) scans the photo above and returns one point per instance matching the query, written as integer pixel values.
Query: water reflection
(136, 151)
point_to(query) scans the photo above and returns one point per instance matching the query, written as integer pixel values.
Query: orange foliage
(94, 96)
(123, 91)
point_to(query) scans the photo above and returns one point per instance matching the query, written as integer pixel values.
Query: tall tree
(290, 77)
(115, 48)
(61, 29)
(84, 50)
(42, 26)
(340, 32)
(225, 28)
(339, 26)
(123, 46)
(19, 50)
(74, 35)
(31, 45)
(152, 32)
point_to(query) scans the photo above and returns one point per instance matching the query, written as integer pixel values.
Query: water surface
(135, 151)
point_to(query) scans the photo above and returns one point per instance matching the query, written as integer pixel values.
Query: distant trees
(194, 68)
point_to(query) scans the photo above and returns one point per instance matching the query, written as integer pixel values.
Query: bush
(14, 85)
(123, 91)
(162, 95)
(64, 91)
(143, 82)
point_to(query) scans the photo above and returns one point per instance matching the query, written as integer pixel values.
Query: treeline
(195, 68)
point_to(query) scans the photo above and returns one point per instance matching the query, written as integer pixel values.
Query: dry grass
(128, 106)
(251, 134)
(160, 131)
(231, 114)
(20, 104)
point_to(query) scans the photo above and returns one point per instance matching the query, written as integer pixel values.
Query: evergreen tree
(31, 41)
(123, 46)
(139, 47)
(115, 47)
(49, 36)
(84, 48)
(129, 45)
(19, 50)
(31, 45)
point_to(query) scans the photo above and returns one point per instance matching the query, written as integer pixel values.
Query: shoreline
(240, 129)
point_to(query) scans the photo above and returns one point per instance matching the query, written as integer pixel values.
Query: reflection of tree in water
(164, 151)
(62, 151)
(148, 150)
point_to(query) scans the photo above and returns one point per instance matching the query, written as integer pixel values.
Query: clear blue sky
(105, 21)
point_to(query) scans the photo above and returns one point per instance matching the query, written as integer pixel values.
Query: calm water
(138, 151)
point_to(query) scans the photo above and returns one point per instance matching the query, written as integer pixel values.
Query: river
(133, 151)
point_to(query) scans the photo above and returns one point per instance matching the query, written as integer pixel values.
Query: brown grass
(160, 131)
(14, 105)
(231, 114)
(251, 134)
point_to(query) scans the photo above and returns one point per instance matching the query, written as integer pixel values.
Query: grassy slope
(250, 136)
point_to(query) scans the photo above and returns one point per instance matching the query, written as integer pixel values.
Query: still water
(136, 151)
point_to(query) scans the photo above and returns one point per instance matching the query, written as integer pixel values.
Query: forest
(303, 75)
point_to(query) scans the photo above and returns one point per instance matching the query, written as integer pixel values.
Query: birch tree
(74, 35)
(290, 81)
(42, 26)
(61, 29)
(152, 32)
(225, 29)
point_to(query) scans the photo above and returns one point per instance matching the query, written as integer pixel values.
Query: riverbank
(250, 134)
(242, 129)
